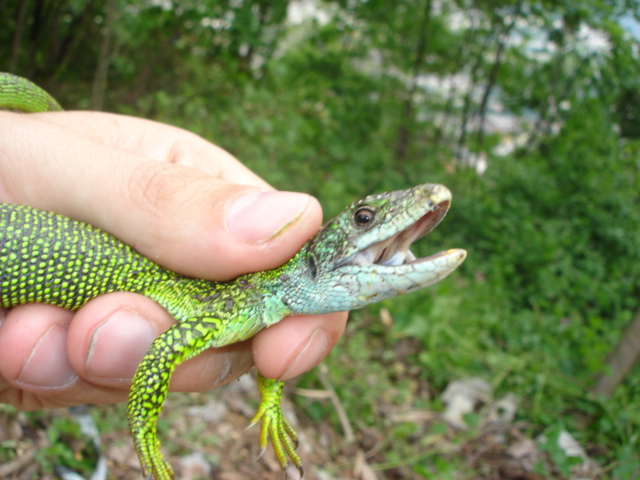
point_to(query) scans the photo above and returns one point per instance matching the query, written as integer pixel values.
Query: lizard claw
(261, 454)
(274, 426)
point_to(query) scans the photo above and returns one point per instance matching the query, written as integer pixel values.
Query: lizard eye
(363, 217)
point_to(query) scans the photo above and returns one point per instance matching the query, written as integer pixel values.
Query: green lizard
(360, 257)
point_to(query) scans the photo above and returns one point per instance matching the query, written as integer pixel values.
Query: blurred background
(529, 111)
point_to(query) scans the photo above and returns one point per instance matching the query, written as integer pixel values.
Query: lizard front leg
(149, 390)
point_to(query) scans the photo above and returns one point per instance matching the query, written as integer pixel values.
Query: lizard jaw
(395, 250)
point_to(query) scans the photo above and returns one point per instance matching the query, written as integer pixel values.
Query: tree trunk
(99, 86)
(466, 114)
(17, 35)
(620, 361)
(493, 74)
(75, 35)
(406, 126)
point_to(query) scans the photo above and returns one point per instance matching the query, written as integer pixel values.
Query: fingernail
(118, 345)
(310, 355)
(48, 366)
(259, 216)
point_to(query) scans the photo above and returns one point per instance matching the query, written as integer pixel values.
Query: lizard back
(45, 257)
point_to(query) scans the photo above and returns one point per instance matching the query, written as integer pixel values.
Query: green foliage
(556, 226)
(628, 464)
(64, 438)
(58, 441)
(549, 443)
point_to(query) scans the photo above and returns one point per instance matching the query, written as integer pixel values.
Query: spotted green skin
(48, 258)
(20, 95)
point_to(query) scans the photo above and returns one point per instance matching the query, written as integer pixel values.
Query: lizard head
(363, 255)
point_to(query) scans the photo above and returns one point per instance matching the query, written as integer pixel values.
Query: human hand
(178, 200)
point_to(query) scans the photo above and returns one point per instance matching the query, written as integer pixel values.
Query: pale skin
(177, 199)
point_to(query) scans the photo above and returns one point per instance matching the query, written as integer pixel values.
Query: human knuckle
(157, 188)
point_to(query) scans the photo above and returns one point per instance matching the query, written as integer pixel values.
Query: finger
(176, 215)
(35, 365)
(157, 141)
(25, 333)
(110, 335)
(53, 358)
(297, 344)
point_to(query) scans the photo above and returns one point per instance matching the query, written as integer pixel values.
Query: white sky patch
(460, 20)
(631, 25)
(165, 5)
(593, 40)
(299, 11)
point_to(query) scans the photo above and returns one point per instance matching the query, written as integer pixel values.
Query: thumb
(177, 215)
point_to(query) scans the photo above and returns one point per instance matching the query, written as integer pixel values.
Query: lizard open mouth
(364, 254)
(395, 250)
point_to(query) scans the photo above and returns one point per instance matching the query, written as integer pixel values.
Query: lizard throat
(395, 250)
